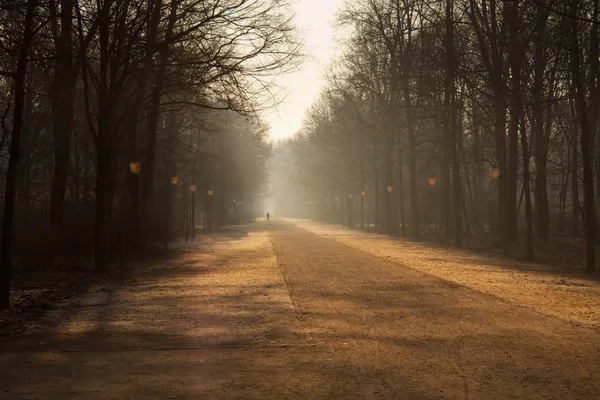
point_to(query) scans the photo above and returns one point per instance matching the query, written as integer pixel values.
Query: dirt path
(574, 297)
(274, 311)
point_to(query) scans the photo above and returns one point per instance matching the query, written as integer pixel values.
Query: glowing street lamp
(210, 192)
(390, 188)
(432, 181)
(174, 180)
(135, 167)
(494, 173)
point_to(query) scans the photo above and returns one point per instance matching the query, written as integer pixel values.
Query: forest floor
(299, 310)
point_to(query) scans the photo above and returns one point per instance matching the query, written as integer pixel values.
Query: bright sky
(316, 20)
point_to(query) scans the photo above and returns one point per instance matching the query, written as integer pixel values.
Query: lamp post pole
(432, 182)
(363, 193)
(193, 189)
(208, 218)
(193, 214)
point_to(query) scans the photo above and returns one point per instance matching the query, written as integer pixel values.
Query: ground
(292, 309)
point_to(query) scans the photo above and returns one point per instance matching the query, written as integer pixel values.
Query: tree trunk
(63, 110)
(86, 172)
(103, 145)
(564, 189)
(415, 228)
(362, 197)
(400, 194)
(446, 226)
(148, 184)
(594, 76)
(478, 181)
(539, 136)
(13, 161)
(529, 251)
(389, 222)
(500, 132)
(450, 122)
(511, 181)
(514, 58)
(574, 167)
(24, 173)
(586, 151)
(517, 120)
(133, 180)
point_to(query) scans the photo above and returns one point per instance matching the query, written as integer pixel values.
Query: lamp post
(173, 181)
(135, 168)
(193, 189)
(363, 194)
(390, 224)
(208, 216)
(350, 212)
(340, 212)
(432, 182)
(494, 173)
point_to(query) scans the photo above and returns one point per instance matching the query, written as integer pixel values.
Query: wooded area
(459, 116)
(122, 120)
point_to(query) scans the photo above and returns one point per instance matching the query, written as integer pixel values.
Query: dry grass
(571, 297)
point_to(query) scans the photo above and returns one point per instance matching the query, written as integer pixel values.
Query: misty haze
(299, 199)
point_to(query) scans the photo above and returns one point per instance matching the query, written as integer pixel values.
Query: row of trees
(442, 111)
(111, 111)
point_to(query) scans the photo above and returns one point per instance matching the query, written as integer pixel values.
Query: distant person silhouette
(268, 217)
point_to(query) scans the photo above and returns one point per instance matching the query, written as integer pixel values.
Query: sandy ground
(272, 311)
(572, 297)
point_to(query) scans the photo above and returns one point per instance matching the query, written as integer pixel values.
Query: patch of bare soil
(542, 287)
(37, 289)
(41, 284)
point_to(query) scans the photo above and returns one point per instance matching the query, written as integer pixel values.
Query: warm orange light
(174, 180)
(210, 192)
(135, 167)
(432, 181)
(390, 189)
(494, 173)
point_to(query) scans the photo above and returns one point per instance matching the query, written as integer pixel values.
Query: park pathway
(273, 311)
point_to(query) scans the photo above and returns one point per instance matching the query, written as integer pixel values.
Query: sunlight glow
(316, 19)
